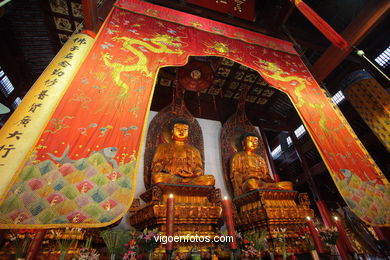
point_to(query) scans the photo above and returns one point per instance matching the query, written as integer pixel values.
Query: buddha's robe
(179, 163)
(250, 172)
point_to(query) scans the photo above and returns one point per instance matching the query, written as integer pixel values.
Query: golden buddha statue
(177, 162)
(249, 171)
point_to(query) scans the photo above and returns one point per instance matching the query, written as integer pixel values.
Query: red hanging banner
(320, 24)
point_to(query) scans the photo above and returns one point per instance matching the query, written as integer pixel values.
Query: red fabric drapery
(99, 122)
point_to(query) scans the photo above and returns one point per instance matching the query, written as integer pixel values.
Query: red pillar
(383, 233)
(342, 251)
(36, 244)
(229, 222)
(343, 236)
(326, 217)
(325, 214)
(316, 237)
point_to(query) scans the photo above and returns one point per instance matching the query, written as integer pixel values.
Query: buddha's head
(180, 130)
(250, 142)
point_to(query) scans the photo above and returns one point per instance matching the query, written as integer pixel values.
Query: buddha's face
(180, 132)
(251, 143)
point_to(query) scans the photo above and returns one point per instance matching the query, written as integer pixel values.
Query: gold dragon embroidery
(163, 41)
(273, 71)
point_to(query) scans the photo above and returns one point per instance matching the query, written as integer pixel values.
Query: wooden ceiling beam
(273, 127)
(366, 20)
(255, 113)
(90, 15)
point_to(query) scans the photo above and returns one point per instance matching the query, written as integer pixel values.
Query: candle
(314, 234)
(170, 222)
(36, 244)
(228, 218)
(343, 235)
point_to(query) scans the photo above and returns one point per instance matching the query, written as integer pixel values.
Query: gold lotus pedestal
(198, 211)
(275, 210)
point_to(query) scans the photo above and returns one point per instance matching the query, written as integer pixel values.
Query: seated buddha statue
(178, 162)
(249, 171)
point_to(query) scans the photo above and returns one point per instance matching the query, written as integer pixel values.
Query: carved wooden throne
(261, 209)
(197, 208)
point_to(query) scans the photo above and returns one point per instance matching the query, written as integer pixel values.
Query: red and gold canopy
(81, 169)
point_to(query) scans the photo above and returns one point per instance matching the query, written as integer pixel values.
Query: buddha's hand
(183, 173)
(198, 172)
(157, 168)
(268, 179)
(252, 175)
